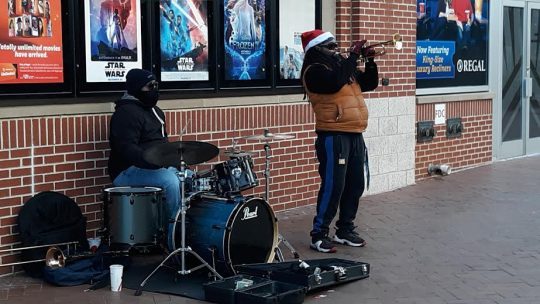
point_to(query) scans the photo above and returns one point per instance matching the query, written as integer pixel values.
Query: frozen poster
(295, 17)
(184, 40)
(245, 39)
(113, 37)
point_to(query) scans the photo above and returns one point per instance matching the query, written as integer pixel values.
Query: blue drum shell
(240, 230)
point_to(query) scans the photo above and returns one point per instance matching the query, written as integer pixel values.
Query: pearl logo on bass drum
(249, 215)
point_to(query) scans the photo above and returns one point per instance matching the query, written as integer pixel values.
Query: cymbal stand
(267, 171)
(183, 249)
(281, 239)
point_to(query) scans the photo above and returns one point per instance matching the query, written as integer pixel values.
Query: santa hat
(313, 38)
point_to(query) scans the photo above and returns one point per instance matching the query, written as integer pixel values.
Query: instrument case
(261, 290)
(311, 274)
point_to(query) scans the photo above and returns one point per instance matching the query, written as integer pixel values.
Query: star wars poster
(295, 17)
(245, 39)
(31, 42)
(113, 39)
(184, 40)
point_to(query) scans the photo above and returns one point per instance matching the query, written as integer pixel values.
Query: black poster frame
(64, 89)
(85, 88)
(194, 85)
(75, 89)
(284, 83)
(225, 84)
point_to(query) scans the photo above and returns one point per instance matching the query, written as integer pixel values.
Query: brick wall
(473, 148)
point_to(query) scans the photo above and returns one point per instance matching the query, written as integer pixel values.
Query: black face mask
(332, 53)
(148, 98)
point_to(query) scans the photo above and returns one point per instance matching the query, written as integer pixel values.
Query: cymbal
(238, 153)
(267, 136)
(171, 153)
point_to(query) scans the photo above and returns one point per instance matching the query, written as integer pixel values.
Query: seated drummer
(136, 124)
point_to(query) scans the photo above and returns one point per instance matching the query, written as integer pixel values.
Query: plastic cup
(116, 277)
(94, 243)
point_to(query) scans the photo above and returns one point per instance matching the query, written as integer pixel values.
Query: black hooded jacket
(134, 128)
(329, 71)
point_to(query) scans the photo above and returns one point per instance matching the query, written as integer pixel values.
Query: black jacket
(331, 75)
(133, 128)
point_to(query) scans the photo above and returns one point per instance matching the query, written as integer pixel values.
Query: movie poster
(184, 40)
(295, 17)
(31, 42)
(452, 43)
(245, 39)
(113, 39)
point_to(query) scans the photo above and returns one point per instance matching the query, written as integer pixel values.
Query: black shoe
(350, 238)
(322, 244)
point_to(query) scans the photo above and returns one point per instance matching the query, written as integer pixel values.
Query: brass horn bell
(55, 258)
(396, 42)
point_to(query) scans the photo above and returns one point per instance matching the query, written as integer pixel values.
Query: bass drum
(229, 232)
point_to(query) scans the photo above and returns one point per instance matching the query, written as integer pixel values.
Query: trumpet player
(334, 87)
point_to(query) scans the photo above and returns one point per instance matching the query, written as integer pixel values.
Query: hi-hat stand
(281, 239)
(183, 249)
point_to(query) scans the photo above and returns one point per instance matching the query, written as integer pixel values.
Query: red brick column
(378, 21)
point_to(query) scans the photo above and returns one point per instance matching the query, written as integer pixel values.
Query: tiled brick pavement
(468, 238)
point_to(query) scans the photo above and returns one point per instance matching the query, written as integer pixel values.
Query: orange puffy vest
(343, 111)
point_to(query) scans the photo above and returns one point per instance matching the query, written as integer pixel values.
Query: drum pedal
(279, 253)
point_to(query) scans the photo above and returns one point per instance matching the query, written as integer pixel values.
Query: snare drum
(135, 215)
(230, 232)
(199, 181)
(235, 175)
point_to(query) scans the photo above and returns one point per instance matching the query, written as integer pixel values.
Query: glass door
(533, 80)
(520, 89)
(512, 81)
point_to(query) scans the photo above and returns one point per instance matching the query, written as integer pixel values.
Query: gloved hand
(367, 52)
(357, 46)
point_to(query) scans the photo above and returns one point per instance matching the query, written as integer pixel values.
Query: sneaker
(323, 244)
(350, 238)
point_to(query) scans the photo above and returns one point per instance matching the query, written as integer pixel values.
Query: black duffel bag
(49, 218)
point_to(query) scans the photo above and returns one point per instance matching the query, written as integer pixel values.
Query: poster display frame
(470, 50)
(185, 85)
(267, 82)
(76, 89)
(85, 88)
(317, 25)
(60, 89)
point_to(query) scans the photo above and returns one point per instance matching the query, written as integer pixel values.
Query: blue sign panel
(434, 59)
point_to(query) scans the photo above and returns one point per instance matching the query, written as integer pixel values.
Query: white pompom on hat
(314, 37)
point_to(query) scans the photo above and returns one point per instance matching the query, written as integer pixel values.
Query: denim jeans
(164, 178)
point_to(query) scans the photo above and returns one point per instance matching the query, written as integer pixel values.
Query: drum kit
(223, 227)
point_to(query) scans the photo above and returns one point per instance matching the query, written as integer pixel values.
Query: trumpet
(396, 42)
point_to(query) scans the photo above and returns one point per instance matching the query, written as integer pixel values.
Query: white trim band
(319, 39)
